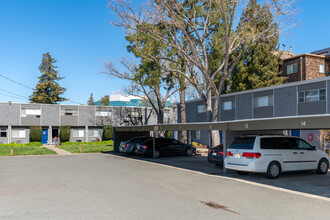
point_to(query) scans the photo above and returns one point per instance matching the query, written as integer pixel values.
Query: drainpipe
(301, 71)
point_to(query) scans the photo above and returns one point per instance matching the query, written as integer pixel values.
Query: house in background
(128, 101)
(305, 66)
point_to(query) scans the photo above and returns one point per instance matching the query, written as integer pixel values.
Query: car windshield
(242, 143)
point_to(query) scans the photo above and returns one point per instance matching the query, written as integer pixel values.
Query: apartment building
(306, 66)
(86, 122)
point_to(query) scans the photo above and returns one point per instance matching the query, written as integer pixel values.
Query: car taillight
(229, 153)
(220, 153)
(144, 146)
(251, 155)
(209, 151)
(126, 145)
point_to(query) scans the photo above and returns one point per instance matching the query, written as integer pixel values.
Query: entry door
(44, 136)
(290, 154)
(308, 156)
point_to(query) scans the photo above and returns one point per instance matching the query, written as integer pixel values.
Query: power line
(28, 88)
(11, 96)
(16, 82)
(14, 94)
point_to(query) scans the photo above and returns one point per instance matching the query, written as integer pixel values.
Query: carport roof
(275, 123)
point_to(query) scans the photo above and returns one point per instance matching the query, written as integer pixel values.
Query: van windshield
(242, 143)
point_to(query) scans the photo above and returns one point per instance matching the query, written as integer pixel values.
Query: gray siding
(244, 106)
(87, 115)
(9, 114)
(285, 102)
(311, 86)
(227, 115)
(312, 108)
(50, 115)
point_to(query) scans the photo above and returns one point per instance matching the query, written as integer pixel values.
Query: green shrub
(13, 144)
(110, 142)
(107, 132)
(35, 133)
(65, 133)
(169, 134)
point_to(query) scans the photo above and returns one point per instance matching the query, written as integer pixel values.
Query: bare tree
(155, 92)
(191, 24)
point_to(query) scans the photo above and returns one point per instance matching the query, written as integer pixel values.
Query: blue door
(295, 133)
(44, 136)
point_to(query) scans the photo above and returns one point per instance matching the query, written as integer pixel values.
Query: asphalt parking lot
(107, 186)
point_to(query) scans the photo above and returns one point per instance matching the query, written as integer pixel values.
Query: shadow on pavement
(304, 181)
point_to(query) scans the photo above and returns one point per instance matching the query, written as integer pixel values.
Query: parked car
(129, 146)
(215, 155)
(273, 154)
(165, 147)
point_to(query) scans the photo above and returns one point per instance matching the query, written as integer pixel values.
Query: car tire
(273, 170)
(323, 166)
(188, 152)
(242, 173)
(157, 154)
(218, 165)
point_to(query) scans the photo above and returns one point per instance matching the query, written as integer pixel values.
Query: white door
(308, 156)
(290, 154)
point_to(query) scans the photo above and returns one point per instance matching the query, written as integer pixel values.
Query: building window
(228, 105)
(263, 101)
(312, 95)
(93, 132)
(30, 111)
(321, 67)
(79, 133)
(3, 133)
(293, 68)
(69, 111)
(18, 133)
(103, 113)
(201, 108)
(197, 135)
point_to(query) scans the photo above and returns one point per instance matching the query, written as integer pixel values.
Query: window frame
(321, 95)
(201, 108)
(19, 132)
(227, 108)
(292, 68)
(78, 130)
(321, 70)
(269, 101)
(3, 131)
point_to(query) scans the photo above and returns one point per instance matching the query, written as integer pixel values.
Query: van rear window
(242, 143)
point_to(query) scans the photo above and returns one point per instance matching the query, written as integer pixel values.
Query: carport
(229, 129)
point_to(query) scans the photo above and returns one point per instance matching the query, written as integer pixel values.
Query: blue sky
(78, 34)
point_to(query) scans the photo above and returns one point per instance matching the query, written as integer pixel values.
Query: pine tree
(48, 91)
(91, 100)
(259, 66)
(105, 100)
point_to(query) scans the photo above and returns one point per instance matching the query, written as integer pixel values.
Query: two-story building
(86, 122)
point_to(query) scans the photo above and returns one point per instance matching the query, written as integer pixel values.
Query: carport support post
(153, 143)
(224, 144)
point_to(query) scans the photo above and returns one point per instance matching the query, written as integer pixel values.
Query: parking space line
(234, 179)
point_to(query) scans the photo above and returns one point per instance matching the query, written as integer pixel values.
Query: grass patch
(87, 148)
(24, 150)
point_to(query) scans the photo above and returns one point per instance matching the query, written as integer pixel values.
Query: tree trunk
(212, 116)
(183, 134)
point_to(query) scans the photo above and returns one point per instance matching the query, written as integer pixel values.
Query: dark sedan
(129, 146)
(164, 147)
(215, 155)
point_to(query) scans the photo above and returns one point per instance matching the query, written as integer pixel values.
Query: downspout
(301, 72)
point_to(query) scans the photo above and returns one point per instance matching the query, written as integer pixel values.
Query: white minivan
(273, 154)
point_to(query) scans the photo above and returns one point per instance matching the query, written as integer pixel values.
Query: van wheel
(242, 173)
(323, 167)
(273, 170)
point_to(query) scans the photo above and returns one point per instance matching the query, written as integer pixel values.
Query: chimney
(284, 47)
(290, 49)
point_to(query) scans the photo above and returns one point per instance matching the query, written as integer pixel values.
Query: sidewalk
(57, 150)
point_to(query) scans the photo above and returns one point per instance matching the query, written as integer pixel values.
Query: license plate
(214, 154)
(237, 156)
